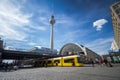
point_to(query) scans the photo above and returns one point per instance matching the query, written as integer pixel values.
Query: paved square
(64, 73)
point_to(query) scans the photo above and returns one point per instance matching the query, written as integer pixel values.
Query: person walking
(46, 64)
(101, 62)
(92, 62)
(56, 63)
(106, 62)
(109, 62)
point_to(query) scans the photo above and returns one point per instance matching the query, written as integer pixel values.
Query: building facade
(43, 50)
(1, 44)
(114, 52)
(73, 48)
(115, 13)
(114, 46)
(1, 48)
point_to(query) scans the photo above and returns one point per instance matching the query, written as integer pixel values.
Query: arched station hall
(73, 48)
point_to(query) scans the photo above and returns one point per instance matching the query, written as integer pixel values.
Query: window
(71, 60)
(56, 61)
(79, 59)
(49, 62)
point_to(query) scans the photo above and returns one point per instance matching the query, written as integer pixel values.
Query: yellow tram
(67, 61)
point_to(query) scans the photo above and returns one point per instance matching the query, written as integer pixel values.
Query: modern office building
(114, 52)
(73, 48)
(115, 13)
(114, 46)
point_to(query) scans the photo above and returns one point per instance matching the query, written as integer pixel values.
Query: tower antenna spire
(52, 7)
(52, 22)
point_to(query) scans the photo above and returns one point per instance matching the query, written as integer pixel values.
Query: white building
(115, 14)
(43, 50)
(114, 46)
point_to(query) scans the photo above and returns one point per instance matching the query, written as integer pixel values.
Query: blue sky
(25, 23)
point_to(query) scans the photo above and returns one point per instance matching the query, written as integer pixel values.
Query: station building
(73, 48)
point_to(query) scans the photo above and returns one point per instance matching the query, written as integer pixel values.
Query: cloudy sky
(25, 23)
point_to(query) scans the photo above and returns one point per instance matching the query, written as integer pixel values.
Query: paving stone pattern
(64, 73)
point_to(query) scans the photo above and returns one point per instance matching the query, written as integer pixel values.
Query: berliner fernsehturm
(52, 22)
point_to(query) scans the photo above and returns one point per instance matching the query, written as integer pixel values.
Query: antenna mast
(52, 22)
(52, 7)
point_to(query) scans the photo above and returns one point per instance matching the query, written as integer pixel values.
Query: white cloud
(100, 46)
(13, 20)
(65, 20)
(31, 43)
(41, 28)
(44, 20)
(99, 24)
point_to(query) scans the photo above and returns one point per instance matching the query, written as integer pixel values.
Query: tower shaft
(52, 22)
(52, 38)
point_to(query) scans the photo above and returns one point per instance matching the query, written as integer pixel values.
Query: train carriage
(66, 61)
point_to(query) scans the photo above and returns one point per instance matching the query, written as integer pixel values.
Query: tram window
(68, 60)
(58, 61)
(49, 62)
(79, 59)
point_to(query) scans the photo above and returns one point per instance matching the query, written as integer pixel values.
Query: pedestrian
(101, 62)
(97, 61)
(109, 62)
(92, 62)
(110, 65)
(56, 63)
(73, 63)
(106, 62)
(46, 64)
(6, 66)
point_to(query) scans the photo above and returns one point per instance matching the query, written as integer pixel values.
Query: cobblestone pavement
(64, 73)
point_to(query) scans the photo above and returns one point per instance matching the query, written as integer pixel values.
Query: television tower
(52, 22)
